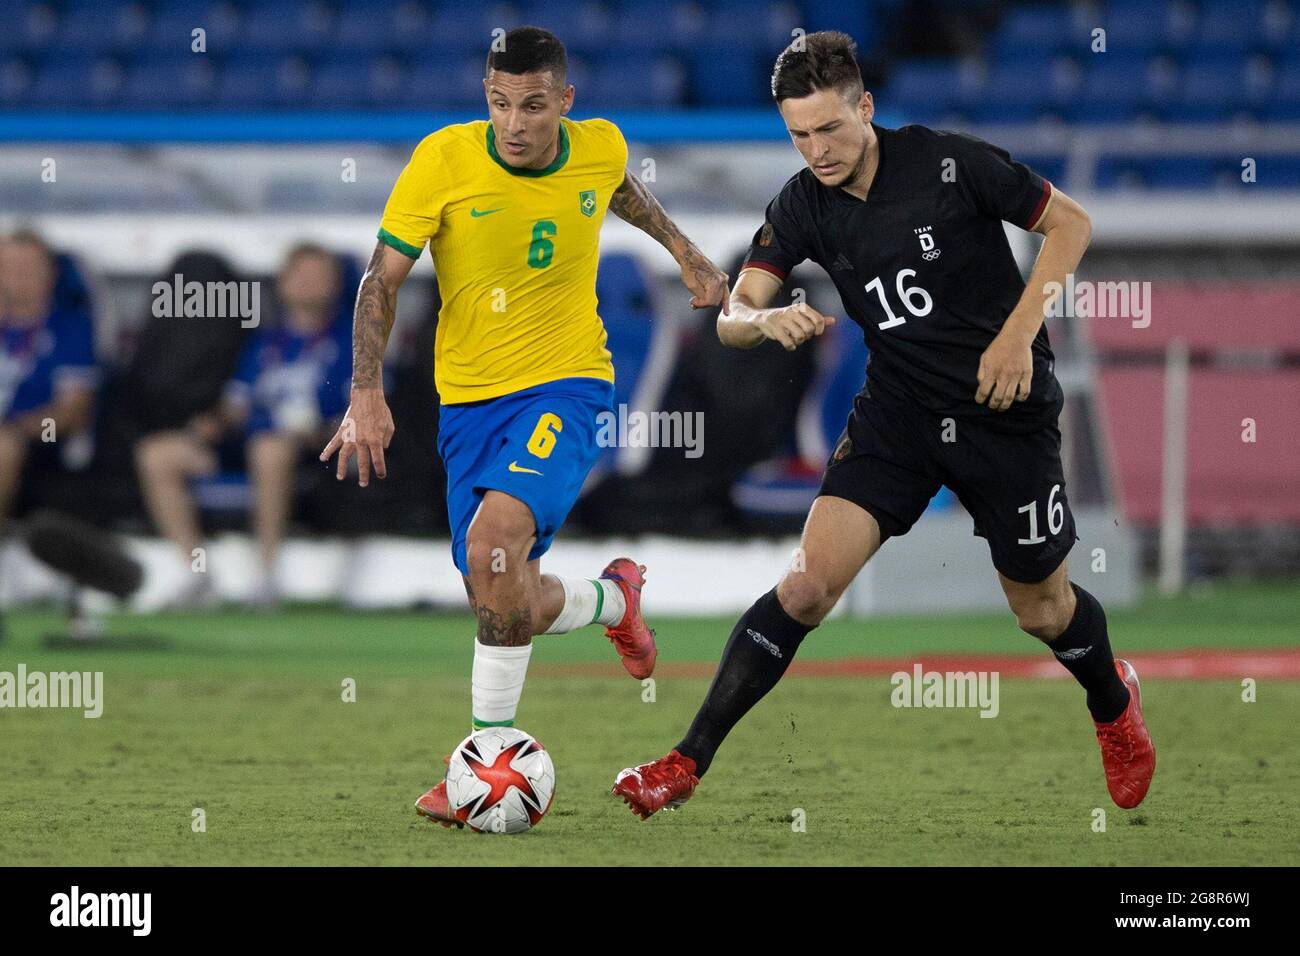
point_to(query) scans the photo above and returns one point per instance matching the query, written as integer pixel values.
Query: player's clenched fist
(793, 325)
(365, 431)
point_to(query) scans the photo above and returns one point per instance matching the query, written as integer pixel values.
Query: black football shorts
(894, 455)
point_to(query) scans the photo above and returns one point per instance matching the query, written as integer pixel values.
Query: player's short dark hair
(528, 50)
(26, 236)
(309, 248)
(818, 61)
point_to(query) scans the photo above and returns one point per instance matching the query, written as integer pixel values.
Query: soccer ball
(500, 780)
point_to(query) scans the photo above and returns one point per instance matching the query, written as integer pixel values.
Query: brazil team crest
(587, 202)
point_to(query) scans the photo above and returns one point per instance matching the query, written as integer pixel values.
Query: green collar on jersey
(561, 157)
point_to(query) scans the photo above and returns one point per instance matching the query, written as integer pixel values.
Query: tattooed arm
(367, 426)
(633, 204)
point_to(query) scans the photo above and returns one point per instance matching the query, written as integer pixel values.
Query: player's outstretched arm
(751, 321)
(1006, 367)
(367, 426)
(634, 204)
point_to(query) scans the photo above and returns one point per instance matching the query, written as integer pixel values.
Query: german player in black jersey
(960, 391)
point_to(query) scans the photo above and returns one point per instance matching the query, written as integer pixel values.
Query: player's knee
(1043, 617)
(153, 454)
(806, 597)
(271, 450)
(495, 545)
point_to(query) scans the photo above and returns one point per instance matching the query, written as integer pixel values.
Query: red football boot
(634, 641)
(667, 782)
(433, 804)
(1127, 755)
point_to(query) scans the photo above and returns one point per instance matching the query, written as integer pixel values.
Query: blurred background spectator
(48, 373)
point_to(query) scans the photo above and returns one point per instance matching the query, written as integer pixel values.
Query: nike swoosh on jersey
(477, 214)
(515, 466)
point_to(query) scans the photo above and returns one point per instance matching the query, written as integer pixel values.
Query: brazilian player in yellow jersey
(511, 210)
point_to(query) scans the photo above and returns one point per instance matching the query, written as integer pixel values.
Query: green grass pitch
(244, 718)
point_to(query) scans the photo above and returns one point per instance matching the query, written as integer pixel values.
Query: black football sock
(760, 649)
(1083, 649)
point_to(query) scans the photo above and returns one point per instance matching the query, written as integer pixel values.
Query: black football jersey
(922, 264)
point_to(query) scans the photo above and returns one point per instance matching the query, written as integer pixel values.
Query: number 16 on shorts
(1055, 518)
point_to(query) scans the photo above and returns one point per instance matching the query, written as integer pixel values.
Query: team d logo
(928, 250)
(587, 202)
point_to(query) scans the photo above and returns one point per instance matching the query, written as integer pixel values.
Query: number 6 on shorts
(543, 439)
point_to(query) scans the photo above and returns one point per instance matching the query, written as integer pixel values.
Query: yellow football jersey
(515, 251)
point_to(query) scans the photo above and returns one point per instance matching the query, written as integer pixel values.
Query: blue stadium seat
(646, 28)
(169, 82)
(464, 28)
(363, 28)
(1228, 26)
(584, 27)
(1226, 171)
(16, 78)
(340, 84)
(1025, 79)
(174, 23)
(633, 83)
(447, 82)
(727, 77)
(28, 30)
(1180, 172)
(67, 82)
(1099, 112)
(1278, 172)
(284, 25)
(94, 26)
(1285, 104)
(1018, 92)
(998, 110)
(1036, 31)
(351, 81)
(1132, 29)
(932, 86)
(1280, 27)
(1210, 92)
(1113, 90)
(258, 82)
(762, 27)
(1287, 85)
(1179, 19)
(858, 20)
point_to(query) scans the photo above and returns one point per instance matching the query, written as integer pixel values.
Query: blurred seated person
(47, 359)
(289, 390)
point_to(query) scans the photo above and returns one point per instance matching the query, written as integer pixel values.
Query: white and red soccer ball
(500, 780)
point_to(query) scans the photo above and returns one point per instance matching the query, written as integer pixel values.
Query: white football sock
(588, 601)
(496, 683)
